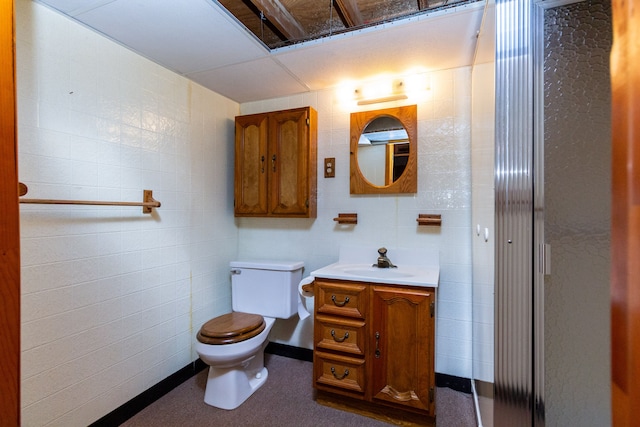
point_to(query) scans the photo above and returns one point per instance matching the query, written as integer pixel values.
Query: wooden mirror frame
(408, 181)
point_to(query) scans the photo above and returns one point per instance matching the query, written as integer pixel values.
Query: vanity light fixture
(380, 91)
(413, 86)
(382, 99)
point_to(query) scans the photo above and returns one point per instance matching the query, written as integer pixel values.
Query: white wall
(111, 297)
(444, 187)
(482, 216)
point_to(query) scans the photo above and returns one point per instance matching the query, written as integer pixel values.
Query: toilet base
(228, 388)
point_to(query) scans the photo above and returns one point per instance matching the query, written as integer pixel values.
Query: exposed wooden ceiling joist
(279, 16)
(350, 12)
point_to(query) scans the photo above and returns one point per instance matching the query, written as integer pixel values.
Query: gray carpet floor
(286, 399)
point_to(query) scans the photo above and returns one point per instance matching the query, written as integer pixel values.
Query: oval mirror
(384, 151)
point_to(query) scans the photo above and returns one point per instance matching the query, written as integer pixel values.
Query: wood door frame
(625, 213)
(9, 226)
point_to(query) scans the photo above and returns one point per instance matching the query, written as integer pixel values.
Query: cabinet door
(291, 162)
(251, 165)
(401, 347)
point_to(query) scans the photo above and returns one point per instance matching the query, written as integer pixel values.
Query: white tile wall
(444, 187)
(111, 297)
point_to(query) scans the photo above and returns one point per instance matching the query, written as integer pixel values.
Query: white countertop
(412, 275)
(414, 267)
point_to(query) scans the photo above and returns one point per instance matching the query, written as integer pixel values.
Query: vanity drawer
(341, 299)
(345, 373)
(340, 334)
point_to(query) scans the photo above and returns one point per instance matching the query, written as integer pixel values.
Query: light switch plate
(330, 167)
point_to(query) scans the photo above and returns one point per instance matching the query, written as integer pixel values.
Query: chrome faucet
(383, 261)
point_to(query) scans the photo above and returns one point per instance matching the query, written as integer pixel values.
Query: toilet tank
(268, 288)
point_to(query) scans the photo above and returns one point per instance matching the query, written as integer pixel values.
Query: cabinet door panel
(289, 162)
(251, 165)
(400, 340)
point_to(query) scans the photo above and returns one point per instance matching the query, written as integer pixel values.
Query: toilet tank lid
(278, 265)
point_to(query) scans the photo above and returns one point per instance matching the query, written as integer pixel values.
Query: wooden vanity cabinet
(375, 343)
(276, 164)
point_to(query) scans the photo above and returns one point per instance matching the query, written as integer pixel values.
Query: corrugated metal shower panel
(514, 322)
(540, 250)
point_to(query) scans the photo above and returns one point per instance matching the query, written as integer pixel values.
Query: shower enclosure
(552, 177)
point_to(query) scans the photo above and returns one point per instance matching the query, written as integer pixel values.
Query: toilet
(233, 344)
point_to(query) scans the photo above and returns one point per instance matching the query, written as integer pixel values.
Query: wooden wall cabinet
(276, 164)
(375, 343)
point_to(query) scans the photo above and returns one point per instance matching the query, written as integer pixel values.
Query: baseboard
(147, 397)
(289, 351)
(455, 383)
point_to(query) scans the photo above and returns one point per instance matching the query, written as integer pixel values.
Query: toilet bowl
(233, 344)
(236, 370)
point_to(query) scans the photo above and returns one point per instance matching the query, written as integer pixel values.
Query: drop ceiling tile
(183, 36)
(73, 7)
(432, 43)
(261, 79)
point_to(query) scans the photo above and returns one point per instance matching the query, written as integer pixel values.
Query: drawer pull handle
(336, 339)
(333, 371)
(377, 353)
(339, 304)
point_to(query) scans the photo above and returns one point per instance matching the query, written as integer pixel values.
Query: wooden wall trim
(9, 227)
(625, 214)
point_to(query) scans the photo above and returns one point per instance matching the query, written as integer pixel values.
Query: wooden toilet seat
(231, 328)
